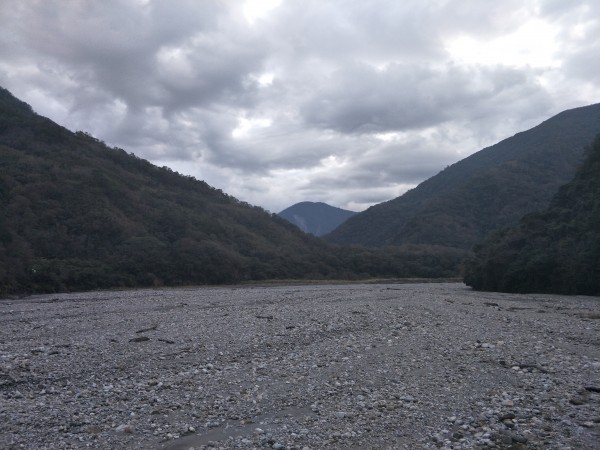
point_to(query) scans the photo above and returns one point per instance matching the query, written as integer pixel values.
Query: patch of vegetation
(555, 251)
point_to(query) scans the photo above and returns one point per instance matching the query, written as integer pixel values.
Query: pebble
(302, 367)
(124, 428)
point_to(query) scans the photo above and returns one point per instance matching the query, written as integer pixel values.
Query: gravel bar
(300, 367)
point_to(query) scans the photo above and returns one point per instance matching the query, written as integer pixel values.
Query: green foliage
(556, 251)
(76, 214)
(491, 189)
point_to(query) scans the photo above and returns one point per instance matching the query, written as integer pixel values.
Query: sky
(348, 102)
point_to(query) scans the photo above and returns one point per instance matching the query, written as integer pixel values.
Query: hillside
(316, 218)
(490, 189)
(556, 251)
(77, 215)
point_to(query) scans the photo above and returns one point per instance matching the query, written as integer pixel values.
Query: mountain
(554, 251)
(76, 214)
(490, 189)
(315, 217)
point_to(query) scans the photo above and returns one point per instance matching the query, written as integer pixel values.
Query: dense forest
(557, 250)
(490, 189)
(77, 215)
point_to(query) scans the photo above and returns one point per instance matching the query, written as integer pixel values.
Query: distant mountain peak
(316, 218)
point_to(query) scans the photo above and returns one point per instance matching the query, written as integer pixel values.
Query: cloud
(345, 101)
(580, 27)
(362, 99)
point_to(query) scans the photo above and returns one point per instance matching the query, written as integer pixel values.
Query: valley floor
(300, 367)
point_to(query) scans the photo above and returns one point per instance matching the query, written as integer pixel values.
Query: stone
(502, 438)
(578, 400)
(124, 428)
(332, 367)
(518, 438)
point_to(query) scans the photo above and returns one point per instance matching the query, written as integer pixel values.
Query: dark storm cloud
(345, 101)
(150, 54)
(114, 45)
(362, 99)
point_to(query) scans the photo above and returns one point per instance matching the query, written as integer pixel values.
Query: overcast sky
(349, 102)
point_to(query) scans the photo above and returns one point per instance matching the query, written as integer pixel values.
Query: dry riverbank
(341, 366)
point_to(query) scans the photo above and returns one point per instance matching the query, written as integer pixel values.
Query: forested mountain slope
(76, 215)
(490, 189)
(316, 217)
(555, 251)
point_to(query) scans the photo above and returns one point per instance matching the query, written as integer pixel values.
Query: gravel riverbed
(300, 367)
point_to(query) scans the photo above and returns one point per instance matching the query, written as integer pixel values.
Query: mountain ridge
(80, 215)
(490, 189)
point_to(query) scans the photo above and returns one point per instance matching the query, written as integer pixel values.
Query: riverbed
(300, 367)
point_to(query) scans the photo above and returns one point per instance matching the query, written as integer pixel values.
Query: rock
(519, 446)
(124, 428)
(337, 380)
(518, 438)
(578, 399)
(502, 438)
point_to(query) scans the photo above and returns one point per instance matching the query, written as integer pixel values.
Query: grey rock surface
(300, 367)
